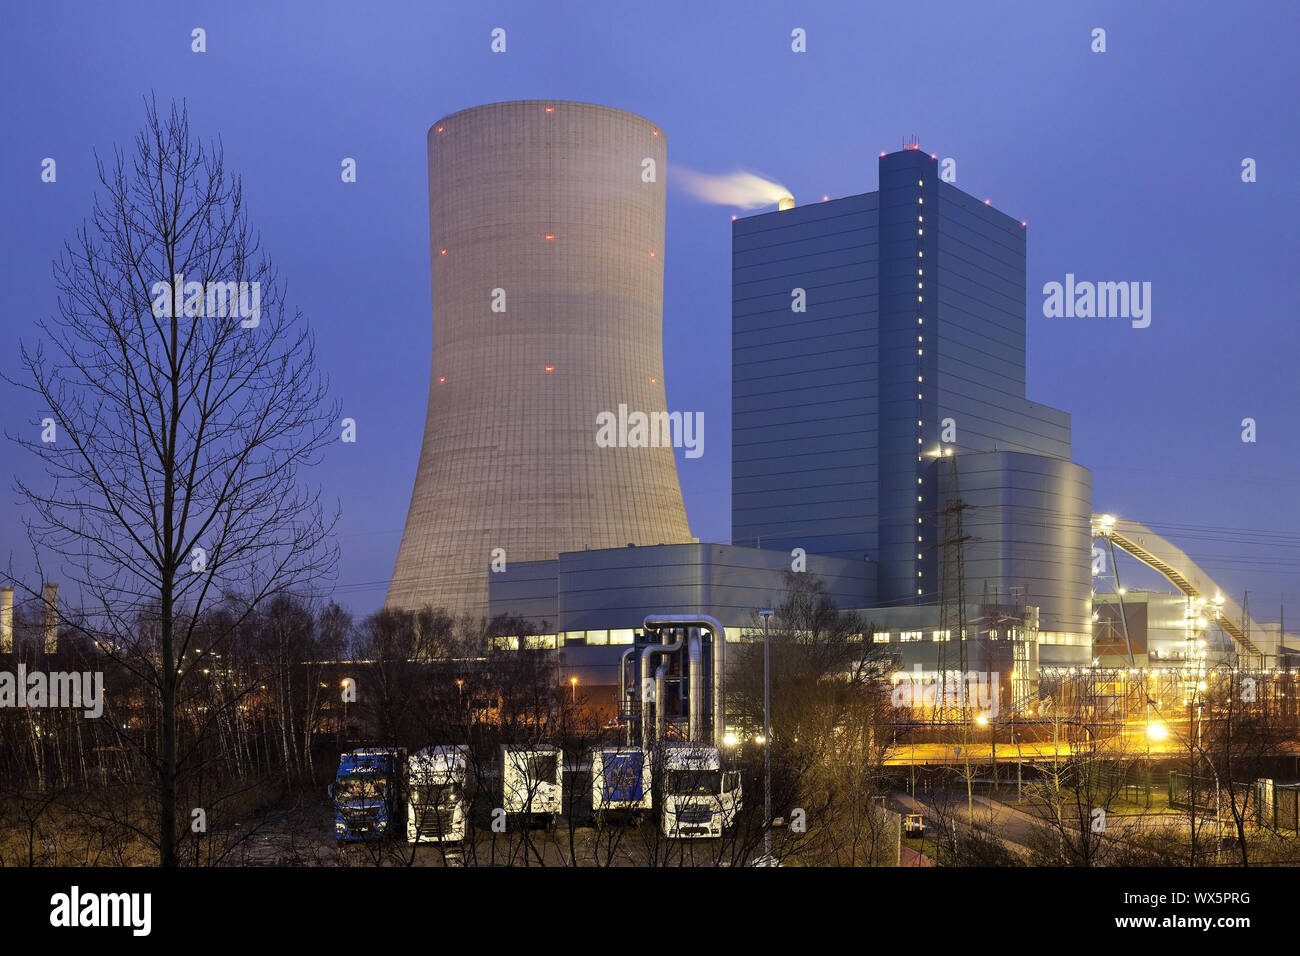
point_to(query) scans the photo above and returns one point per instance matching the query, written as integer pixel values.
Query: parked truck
(620, 783)
(437, 806)
(365, 793)
(532, 782)
(700, 798)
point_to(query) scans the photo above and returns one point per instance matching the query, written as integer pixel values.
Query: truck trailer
(620, 783)
(532, 782)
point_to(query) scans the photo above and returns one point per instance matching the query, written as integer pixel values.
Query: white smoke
(742, 188)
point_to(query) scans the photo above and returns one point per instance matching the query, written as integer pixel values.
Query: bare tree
(183, 424)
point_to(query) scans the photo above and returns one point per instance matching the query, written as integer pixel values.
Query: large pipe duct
(647, 682)
(622, 687)
(654, 622)
(659, 696)
(696, 724)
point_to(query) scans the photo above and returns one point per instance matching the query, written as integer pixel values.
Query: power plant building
(878, 380)
(882, 437)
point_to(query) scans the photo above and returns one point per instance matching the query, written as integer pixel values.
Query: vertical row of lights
(920, 353)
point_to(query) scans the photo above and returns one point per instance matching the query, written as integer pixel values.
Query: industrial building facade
(882, 437)
(878, 378)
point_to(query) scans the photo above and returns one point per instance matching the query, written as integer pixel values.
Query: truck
(532, 782)
(700, 798)
(620, 783)
(365, 793)
(437, 809)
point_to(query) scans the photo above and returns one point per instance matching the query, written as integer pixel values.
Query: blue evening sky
(1126, 165)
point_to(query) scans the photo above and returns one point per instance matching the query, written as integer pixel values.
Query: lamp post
(767, 739)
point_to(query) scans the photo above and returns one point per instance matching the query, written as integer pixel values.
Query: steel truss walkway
(1156, 552)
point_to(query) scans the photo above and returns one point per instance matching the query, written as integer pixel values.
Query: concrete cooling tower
(547, 253)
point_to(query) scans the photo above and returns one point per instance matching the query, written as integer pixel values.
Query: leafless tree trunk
(181, 434)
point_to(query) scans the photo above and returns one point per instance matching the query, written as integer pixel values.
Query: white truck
(438, 809)
(700, 798)
(620, 782)
(532, 781)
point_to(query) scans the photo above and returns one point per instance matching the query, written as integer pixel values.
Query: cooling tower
(547, 254)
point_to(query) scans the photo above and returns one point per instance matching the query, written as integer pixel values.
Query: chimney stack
(6, 620)
(51, 617)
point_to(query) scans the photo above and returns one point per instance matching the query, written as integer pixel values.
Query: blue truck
(366, 794)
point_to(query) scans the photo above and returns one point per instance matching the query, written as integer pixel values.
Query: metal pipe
(659, 696)
(622, 688)
(696, 725)
(648, 686)
(654, 622)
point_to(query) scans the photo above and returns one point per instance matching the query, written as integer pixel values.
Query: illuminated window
(941, 635)
(908, 637)
(880, 637)
(598, 638)
(623, 636)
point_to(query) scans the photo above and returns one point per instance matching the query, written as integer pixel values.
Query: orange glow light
(443, 252)
(550, 236)
(550, 368)
(550, 109)
(988, 202)
(442, 379)
(1023, 224)
(652, 255)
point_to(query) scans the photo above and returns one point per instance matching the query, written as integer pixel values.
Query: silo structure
(546, 228)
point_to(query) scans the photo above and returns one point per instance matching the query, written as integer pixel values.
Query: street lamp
(573, 690)
(767, 738)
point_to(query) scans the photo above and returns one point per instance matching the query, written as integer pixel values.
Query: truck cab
(437, 807)
(532, 781)
(365, 793)
(700, 798)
